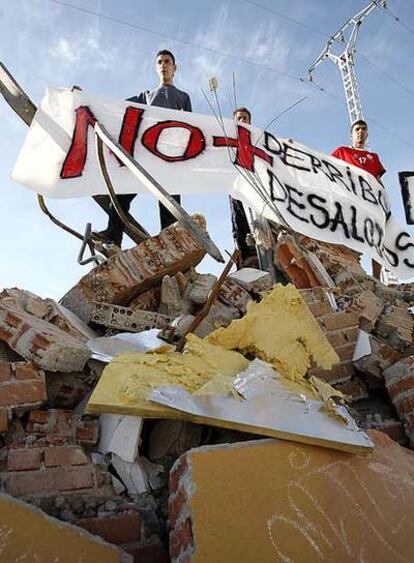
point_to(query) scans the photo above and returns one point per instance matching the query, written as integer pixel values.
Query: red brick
(117, 528)
(175, 505)
(181, 537)
(23, 393)
(25, 370)
(52, 421)
(337, 374)
(176, 473)
(153, 552)
(345, 352)
(65, 455)
(340, 320)
(38, 417)
(393, 428)
(320, 308)
(24, 459)
(354, 389)
(52, 480)
(3, 420)
(5, 371)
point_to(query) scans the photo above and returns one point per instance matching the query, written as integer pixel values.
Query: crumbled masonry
(67, 456)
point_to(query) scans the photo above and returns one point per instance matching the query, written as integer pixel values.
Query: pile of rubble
(109, 473)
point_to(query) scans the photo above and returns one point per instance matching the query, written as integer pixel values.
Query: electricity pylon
(346, 60)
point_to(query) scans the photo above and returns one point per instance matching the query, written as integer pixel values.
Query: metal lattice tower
(345, 61)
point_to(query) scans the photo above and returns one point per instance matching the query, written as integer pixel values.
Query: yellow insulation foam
(128, 380)
(280, 330)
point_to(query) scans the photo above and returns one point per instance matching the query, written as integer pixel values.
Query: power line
(385, 73)
(287, 18)
(394, 16)
(173, 38)
(219, 52)
(320, 32)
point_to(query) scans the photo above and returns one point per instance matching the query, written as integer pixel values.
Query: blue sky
(44, 43)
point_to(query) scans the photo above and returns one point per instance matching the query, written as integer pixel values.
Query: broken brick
(370, 307)
(399, 381)
(3, 420)
(114, 528)
(129, 272)
(47, 481)
(233, 294)
(24, 459)
(127, 319)
(49, 347)
(65, 455)
(26, 391)
(381, 357)
(252, 279)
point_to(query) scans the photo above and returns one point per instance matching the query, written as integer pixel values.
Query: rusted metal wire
(138, 233)
(211, 298)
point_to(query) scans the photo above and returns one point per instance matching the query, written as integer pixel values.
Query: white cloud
(86, 48)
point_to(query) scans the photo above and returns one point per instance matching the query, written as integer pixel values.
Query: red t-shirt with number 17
(368, 161)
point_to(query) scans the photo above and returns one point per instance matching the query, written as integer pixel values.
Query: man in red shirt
(357, 155)
(369, 161)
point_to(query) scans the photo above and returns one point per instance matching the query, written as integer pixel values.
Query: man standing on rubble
(368, 161)
(166, 95)
(239, 222)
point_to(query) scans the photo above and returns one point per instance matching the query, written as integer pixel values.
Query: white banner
(315, 194)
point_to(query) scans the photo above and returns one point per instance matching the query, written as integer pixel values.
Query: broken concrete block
(46, 310)
(221, 315)
(130, 272)
(370, 308)
(173, 301)
(148, 300)
(49, 347)
(235, 295)
(120, 434)
(252, 280)
(132, 475)
(200, 288)
(21, 385)
(180, 326)
(380, 358)
(396, 327)
(201, 508)
(280, 330)
(127, 319)
(28, 534)
(399, 381)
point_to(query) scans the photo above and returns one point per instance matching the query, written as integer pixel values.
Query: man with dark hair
(368, 161)
(242, 115)
(239, 222)
(357, 155)
(166, 95)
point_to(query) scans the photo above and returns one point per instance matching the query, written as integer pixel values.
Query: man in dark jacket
(166, 95)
